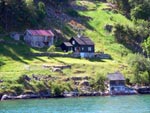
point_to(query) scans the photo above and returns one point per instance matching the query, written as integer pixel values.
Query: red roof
(41, 32)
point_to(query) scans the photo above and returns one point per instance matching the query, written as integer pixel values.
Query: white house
(39, 38)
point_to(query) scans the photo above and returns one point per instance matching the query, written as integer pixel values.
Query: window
(73, 42)
(82, 48)
(75, 49)
(89, 49)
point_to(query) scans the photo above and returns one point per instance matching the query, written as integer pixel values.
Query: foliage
(59, 87)
(131, 37)
(140, 66)
(41, 10)
(18, 88)
(72, 13)
(99, 82)
(140, 9)
(146, 46)
(51, 48)
(19, 14)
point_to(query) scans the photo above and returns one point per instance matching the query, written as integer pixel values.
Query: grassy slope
(15, 61)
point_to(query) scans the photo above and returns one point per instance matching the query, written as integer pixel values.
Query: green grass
(15, 60)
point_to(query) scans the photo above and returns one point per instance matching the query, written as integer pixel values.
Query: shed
(15, 35)
(116, 82)
(66, 46)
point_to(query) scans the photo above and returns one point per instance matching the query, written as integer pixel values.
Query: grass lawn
(16, 61)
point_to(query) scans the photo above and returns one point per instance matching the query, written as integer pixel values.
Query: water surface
(117, 104)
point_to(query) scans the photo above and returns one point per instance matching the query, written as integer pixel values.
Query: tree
(99, 82)
(146, 46)
(51, 48)
(140, 9)
(19, 14)
(41, 10)
(140, 65)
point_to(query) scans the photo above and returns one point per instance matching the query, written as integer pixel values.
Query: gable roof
(115, 76)
(83, 40)
(68, 44)
(41, 32)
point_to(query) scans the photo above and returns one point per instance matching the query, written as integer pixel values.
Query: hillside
(15, 58)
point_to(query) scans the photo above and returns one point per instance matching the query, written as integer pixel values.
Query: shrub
(140, 67)
(18, 88)
(98, 82)
(51, 48)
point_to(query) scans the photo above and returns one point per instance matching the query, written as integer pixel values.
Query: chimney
(79, 33)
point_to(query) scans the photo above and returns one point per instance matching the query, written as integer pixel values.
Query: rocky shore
(81, 86)
(64, 95)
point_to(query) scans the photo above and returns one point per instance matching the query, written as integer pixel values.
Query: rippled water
(116, 104)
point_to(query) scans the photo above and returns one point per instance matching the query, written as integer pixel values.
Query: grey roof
(115, 76)
(83, 40)
(68, 44)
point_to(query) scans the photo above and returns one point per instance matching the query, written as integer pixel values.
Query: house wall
(38, 41)
(85, 48)
(65, 48)
(117, 82)
(86, 55)
(75, 46)
(51, 41)
(117, 86)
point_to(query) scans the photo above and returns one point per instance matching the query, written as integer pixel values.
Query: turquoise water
(116, 104)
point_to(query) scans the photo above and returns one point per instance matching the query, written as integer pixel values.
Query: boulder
(84, 83)
(56, 69)
(4, 97)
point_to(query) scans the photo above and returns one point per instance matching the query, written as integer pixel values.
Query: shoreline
(27, 97)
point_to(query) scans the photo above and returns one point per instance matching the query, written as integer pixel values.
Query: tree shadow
(95, 60)
(1, 63)
(58, 60)
(17, 51)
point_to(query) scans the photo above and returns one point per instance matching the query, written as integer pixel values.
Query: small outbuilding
(116, 82)
(15, 36)
(66, 46)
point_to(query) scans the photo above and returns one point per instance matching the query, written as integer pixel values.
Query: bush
(140, 67)
(18, 88)
(51, 49)
(99, 82)
(58, 88)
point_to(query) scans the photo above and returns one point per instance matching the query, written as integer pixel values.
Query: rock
(1, 81)
(70, 94)
(84, 83)
(4, 97)
(76, 78)
(56, 69)
(27, 78)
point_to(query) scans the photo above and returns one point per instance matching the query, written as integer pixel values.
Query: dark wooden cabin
(82, 44)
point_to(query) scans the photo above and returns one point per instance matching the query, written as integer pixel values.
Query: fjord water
(116, 104)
